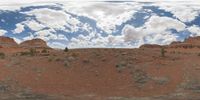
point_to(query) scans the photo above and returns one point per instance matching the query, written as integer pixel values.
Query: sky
(100, 24)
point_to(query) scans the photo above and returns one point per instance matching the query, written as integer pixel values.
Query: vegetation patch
(66, 49)
(2, 55)
(121, 66)
(139, 76)
(160, 80)
(44, 51)
(31, 52)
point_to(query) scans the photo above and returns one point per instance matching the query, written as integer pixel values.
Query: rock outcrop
(150, 46)
(191, 42)
(7, 42)
(34, 43)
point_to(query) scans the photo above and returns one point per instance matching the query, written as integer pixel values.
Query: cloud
(92, 40)
(33, 25)
(158, 24)
(17, 40)
(184, 11)
(155, 31)
(49, 34)
(19, 28)
(50, 18)
(2, 32)
(57, 45)
(53, 19)
(107, 15)
(131, 33)
(195, 30)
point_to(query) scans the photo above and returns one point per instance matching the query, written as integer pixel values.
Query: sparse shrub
(120, 66)
(50, 59)
(2, 55)
(86, 61)
(162, 52)
(140, 76)
(57, 59)
(104, 59)
(161, 80)
(4, 87)
(66, 64)
(45, 54)
(32, 51)
(71, 58)
(24, 53)
(66, 49)
(44, 51)
(74, 54)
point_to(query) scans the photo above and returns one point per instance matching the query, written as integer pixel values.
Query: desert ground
(33, 71)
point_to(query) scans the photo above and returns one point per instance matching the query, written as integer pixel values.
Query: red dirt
(103, 73)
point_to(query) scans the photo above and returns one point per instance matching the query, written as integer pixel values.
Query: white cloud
(154, 31)
(53, 19)
(46, 35)
(195, 30)
(107, 15)
(2, 32)
(17, 40)
(158, 24)
(185, 11)
(57, 45)
(157, 30)
(50, 18)
(19, 28)
(92, 40)
(131, 33)
(49, 35)
(114, 40)
(33, 25)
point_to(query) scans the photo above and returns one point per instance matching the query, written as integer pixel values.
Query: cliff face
(191, 42)
(34, 43)
(7, 42)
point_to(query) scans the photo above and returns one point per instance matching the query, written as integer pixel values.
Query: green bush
(24, 53)
(140, 76)
(2, 55)
(66, 49)
(44, 51)
(162, 52)
(32, 51)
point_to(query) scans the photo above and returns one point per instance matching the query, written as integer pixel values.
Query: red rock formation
(193, 40)
(7, 42)
(34, 43)
(150, 46)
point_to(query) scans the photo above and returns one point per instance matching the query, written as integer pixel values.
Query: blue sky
(100, 24)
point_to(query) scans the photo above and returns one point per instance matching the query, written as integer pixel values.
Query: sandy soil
(100, 74)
